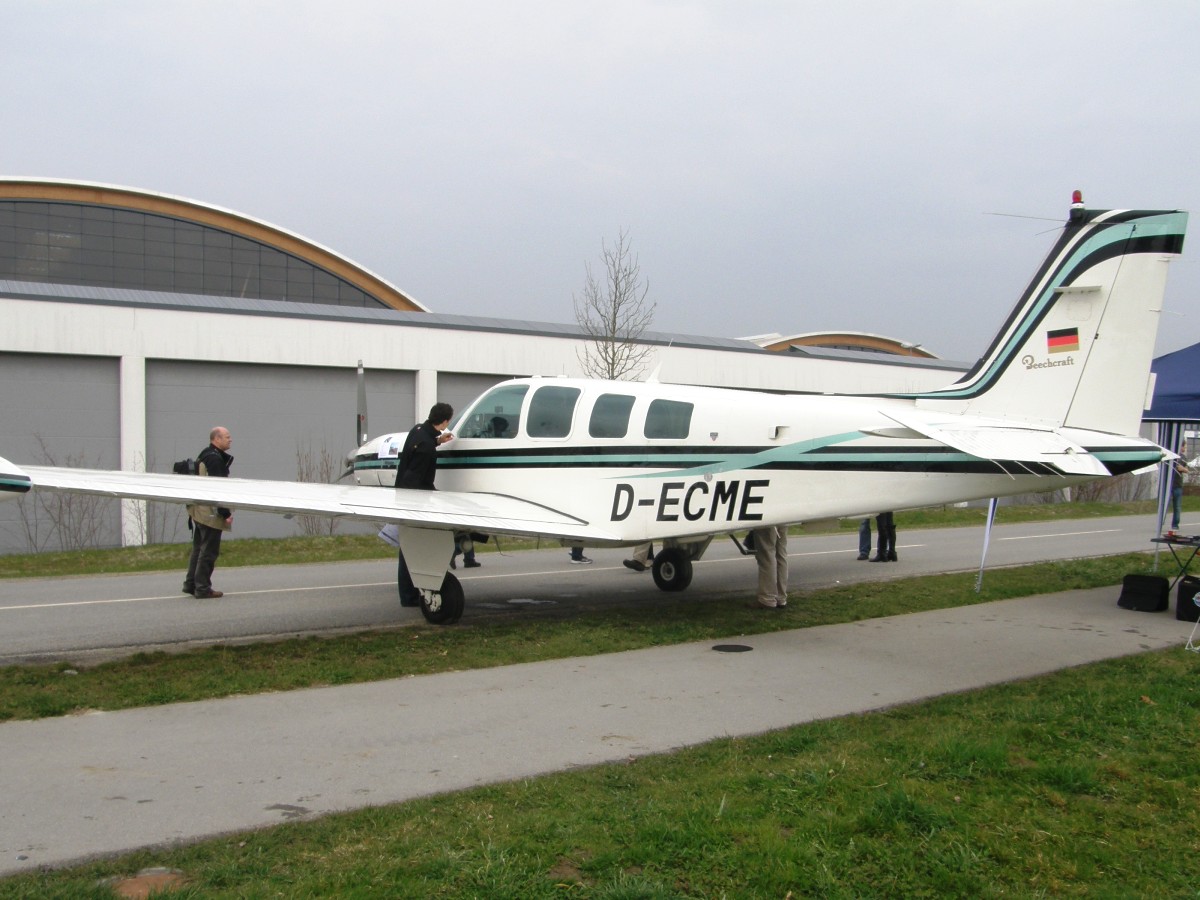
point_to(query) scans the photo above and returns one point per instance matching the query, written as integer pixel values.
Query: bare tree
(154, 522)
(614, 314)
(77, 521)
(319, 467)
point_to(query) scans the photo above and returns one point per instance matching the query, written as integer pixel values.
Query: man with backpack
(208, 522)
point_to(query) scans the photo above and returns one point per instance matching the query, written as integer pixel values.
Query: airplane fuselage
(676, 461)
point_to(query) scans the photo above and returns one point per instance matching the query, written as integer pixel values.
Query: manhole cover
(731, 648)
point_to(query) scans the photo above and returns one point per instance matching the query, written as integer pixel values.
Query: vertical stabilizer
(1076, 350)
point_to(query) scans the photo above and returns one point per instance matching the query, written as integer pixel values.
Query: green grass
(1078, 784)
(37, 691)
(163, 557)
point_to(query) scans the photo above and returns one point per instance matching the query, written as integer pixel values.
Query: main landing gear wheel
(446, 606)
(672, 569)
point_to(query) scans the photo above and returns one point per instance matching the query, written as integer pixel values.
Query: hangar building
(136, 321)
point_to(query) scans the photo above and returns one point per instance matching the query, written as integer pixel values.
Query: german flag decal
(1062, 340)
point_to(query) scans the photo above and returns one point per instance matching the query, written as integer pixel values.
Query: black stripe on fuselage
(915, 459)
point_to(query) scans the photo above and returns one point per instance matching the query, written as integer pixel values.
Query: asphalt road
(85, 619)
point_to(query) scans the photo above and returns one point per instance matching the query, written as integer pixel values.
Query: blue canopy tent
(1175, 409)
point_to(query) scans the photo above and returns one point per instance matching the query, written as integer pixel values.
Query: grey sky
(779, 166)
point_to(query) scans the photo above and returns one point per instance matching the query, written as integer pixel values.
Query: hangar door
(59, 410)
(287, 423)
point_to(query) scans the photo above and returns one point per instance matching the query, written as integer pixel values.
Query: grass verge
(30, 692)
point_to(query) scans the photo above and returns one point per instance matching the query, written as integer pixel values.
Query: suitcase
(1186, 609)
(1145, 593)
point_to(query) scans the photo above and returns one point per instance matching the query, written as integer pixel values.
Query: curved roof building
(73, 232)
(859, 341)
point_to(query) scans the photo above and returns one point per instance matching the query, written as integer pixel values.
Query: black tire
(672, 569)
(446, 606)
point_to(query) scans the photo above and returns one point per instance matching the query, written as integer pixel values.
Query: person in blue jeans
(864, 538)
(578, 558)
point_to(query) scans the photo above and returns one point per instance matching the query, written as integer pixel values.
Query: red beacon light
(1076, 214)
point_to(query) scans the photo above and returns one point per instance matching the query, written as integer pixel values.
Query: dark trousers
(206, 547)
(409, 595)
(886, 526)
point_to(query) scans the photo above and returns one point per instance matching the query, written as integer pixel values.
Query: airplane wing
(1002, 442)
(489, 513)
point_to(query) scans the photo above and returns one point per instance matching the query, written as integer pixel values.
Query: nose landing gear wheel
(444, 607)
(672, 569)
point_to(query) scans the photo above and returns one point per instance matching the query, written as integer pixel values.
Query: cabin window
(610, 416)
(496, 415)
(668, 419)
(551, 410)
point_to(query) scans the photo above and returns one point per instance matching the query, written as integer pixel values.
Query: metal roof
(252, 306)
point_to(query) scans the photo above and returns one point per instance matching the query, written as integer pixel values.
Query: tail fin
(1076, 350)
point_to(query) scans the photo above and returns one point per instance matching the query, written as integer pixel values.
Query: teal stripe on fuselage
(771, 455)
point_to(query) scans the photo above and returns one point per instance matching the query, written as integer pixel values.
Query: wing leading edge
(489, 513)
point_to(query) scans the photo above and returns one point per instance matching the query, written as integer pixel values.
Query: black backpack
(185, 467)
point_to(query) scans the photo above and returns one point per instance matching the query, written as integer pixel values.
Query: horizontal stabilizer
(1001, 441)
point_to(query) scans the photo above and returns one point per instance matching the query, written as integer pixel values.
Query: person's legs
(641, 553)
(189, 580)
(1176, 505)
(207, 551)
(881, 530)
(764, 554)
(464, 544)
(409, 595)
(781, 565)
(864, 538)
(891, 536)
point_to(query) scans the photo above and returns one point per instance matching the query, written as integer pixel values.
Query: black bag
(1186, 609)
(1145, 593)
(185, 467)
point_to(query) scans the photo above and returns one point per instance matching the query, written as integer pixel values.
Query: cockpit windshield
(495, 415)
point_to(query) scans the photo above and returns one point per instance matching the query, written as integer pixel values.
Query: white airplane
(1056, 401)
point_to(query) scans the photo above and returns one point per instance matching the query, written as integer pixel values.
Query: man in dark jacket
(416, 471)
(208, 522)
